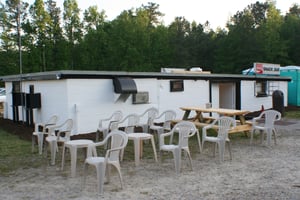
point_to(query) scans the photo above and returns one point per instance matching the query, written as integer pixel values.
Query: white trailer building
(87, 96)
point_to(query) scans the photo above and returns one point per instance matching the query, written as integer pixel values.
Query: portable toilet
(294, 85)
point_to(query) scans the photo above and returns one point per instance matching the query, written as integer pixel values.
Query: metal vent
(124, 86)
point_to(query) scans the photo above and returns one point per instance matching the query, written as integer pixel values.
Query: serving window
(261, 88)
(176, 86)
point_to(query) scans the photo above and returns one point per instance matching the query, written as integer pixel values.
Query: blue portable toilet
(294, 85)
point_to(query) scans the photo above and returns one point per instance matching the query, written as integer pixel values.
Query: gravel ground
(255, 172)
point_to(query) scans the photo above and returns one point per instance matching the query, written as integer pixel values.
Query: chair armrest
(67, 134)
(109, 151)
(193, 133)
(255, 119)
(209, 126)
(113, 125)
(162, 137)
(91, 150)
(103, 120)
(37, 125)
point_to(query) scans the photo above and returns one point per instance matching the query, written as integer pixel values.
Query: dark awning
(124, 85)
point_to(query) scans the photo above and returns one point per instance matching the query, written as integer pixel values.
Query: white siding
(196, 93)
(252, 103)
(88, 100)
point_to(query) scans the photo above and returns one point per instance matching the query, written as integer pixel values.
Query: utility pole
(20, 58)
(44, 58)
(19, 37)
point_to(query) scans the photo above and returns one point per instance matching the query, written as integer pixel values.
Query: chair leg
(177, 159)
(159, 132)
(160, 156)
(40, 138)
(251, 136)
(190, 158)
(85, 172)
(53, 149)
(221, 150)
(262, 136)
(63, 157)
(229, 149)
(32, 143)
(154, 148)
(100, 168)
(269, 136)
(275, 135)
(215, 148)
(203, 144)
(107, 172)
(117, 166)
(199, 142)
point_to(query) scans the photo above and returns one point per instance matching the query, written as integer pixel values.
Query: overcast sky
(217, 12)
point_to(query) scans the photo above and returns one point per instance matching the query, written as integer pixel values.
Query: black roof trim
(69, 74)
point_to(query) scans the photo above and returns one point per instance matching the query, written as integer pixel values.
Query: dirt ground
(255, 172)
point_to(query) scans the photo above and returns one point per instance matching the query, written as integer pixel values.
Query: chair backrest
(52, 121)
(118, 141)
(185, 129)
(116, 117)
(65, 128)
(149, 115)
(224, 125)
(169, 115)
(270, 117)
(41, 127)
(130, 122)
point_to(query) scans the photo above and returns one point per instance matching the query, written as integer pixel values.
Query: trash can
(278, 101)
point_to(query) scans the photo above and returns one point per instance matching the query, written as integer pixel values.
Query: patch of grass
(16, 154)
(292, 114)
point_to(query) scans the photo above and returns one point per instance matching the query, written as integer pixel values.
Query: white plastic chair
(118, 141)
(147, 117)
(185, 129)
(58, 134)
(41, 129)
(104, 124)
(129, 123)
(166, 119)
(265, 124)
(224, 125)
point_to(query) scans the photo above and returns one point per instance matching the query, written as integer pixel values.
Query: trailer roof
(73, 74)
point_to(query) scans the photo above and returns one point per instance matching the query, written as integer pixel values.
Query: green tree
(55, 48)
(40, 23)
(13, 14)
(241, 46)
(153, 14)
(73, 29)
(273, 46)
(93, 19)
(200, 45)
(290, 32)
(179, 31)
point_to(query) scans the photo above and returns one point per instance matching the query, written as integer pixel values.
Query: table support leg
(137, 151)
(73, 160)
(154, 148)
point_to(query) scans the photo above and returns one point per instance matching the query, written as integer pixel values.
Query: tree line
(42, 37)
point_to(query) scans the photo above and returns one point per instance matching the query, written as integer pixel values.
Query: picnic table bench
(200, 121)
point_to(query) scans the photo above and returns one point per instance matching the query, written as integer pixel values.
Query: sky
(217, 12)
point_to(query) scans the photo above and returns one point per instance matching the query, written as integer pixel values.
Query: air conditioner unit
(140, 98)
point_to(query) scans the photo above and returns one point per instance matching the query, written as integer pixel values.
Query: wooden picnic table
(200, 120)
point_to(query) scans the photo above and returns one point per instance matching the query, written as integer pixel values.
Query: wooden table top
(224, 111)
